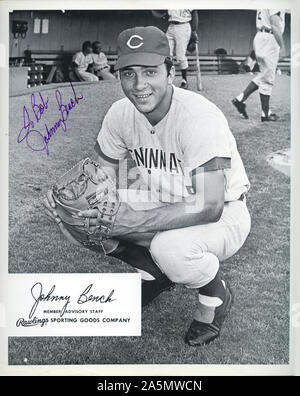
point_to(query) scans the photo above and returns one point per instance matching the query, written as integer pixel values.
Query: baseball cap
(142, 46)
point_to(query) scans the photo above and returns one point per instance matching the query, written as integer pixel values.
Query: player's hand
(194, 36)
(92, 215)
(282, 53)
(123, 223)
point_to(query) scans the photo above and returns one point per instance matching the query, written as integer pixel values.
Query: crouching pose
(194, 214)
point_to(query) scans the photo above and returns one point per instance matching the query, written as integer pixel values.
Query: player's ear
(171, 75)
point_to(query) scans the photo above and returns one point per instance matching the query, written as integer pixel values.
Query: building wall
(232, 30)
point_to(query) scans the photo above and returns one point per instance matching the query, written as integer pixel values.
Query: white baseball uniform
(101, 66)
(100, 61)
(193, 133)
(178, 34)
(83, 61)
(266, 49)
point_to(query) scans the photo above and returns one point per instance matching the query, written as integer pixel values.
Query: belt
(177, 23)
(265, 30)
(103, 67)
(241, 198)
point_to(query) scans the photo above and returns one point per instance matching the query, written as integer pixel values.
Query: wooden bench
(50, 60)
(53, 61)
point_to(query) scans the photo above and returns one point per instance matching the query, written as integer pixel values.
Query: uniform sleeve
(94, 58)
(90, 59)
(206, 143)
(77, 58)
(109, 139)
(105, 61)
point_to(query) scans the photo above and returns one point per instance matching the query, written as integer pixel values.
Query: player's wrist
(128, 221)
(194, 34)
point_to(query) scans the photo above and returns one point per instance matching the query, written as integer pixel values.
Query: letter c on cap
(137, 45)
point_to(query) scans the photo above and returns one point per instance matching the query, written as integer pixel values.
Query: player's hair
(169, 64)
(86, 45)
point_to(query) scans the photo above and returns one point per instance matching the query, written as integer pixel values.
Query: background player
(100, 64)
(195, 213)
(80, 63)
(267, 44)
(182, 24)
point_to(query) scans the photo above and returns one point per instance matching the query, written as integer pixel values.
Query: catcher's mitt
(87, 186)
(191, 47)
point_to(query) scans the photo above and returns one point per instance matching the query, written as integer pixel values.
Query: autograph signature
(34, 138)
(38, 295)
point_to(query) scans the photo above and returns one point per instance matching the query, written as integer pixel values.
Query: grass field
(257, 329)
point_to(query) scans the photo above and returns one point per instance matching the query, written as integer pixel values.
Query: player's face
(97, 48)
(149, 89)
(88, 50)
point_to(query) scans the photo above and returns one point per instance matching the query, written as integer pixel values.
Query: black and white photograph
(149, 185)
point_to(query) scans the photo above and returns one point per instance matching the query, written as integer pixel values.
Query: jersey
(180, 15)
(100, 61)
(83, 61)
(194, 133)
(263, 18)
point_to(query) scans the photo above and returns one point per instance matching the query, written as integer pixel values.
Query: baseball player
(100, 63)
(267, 44)
(80, 63)
(194, 213)
(182, 24)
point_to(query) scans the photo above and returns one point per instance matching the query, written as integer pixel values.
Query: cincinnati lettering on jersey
(148, 157)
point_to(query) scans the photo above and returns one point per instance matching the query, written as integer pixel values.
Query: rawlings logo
(135, 46)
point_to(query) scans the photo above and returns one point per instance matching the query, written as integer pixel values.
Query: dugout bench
(46, 66)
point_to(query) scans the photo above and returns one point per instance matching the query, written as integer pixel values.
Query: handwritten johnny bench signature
(39, 296)
(31, 134)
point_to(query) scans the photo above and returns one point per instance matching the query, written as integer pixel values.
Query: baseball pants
(86, 76)
(105, 73)
(191, 255)
(267, 54)
(179, 36)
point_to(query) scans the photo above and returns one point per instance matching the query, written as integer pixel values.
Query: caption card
(74, 305)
